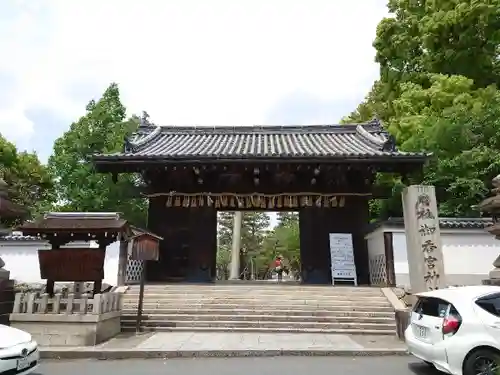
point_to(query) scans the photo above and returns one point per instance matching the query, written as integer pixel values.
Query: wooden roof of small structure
(78, 222)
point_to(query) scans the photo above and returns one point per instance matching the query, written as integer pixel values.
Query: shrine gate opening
(325, 172)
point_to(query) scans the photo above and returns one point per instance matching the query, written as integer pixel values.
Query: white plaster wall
(375, 243)
(468, 256)
(21, 259)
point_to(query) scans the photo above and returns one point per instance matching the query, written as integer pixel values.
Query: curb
(115, 354)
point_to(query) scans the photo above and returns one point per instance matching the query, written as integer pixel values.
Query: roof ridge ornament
(130, 146)
(384, 141)
(378, 141)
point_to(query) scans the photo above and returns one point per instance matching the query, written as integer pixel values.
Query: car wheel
(481, 362)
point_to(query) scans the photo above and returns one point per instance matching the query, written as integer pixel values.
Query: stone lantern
(7, 210)
(491, 207)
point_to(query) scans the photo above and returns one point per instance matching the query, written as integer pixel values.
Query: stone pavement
(230, 344)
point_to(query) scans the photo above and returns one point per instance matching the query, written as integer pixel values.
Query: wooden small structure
(146, 248)
(76, 265)
(145, 245)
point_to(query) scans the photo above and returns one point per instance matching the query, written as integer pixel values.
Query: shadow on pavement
(420, 368)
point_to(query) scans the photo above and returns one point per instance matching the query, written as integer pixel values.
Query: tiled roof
(444, 222)
(18, 236)
(265, 142)
(83, 221)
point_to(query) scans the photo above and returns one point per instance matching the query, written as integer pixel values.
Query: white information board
(342, 258)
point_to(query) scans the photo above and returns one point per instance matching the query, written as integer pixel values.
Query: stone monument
(423, 239)
(491, 206)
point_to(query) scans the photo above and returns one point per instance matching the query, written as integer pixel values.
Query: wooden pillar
(359, 220)
(98, 283)
(50, 286)
(315, 226)
(314, 246)
(188, 250)
(202, 244)
(171, 223)
(389, 259)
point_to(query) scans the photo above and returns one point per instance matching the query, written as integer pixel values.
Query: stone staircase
(251, 307)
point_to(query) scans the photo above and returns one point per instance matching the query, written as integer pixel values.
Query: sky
(186, 62)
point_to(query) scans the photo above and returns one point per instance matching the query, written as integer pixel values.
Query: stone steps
(261, 318)
(248, 299)
(229, 324)
(223, 310)
(281, 305)
(380, 301)
(260, 293)
(262, 308)
(369, 332)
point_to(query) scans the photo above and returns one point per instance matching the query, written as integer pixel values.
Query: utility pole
(234, 273)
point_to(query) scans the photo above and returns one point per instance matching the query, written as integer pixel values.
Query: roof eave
(133, 159)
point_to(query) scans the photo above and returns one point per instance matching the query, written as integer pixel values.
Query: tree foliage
(437, 92)
(284, 240)
(79, 187)
(258, 243)
(460, 125)
(28, 180)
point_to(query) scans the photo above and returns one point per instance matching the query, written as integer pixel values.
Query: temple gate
(326, 173)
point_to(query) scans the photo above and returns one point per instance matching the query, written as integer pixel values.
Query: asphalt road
(242, 366)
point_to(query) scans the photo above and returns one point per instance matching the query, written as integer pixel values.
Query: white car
(18, 352)
(457, 330)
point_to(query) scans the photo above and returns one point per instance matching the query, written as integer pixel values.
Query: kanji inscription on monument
(423, 238)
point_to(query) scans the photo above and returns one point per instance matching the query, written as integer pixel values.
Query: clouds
(186, 61)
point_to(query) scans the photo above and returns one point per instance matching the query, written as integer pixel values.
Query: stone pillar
(78, 289)
(423, 240)
(234, 273)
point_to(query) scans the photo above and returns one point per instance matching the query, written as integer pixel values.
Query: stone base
(491, 282)
(68, 330)
(4, 274)
(402, 322)
(495, 273)
(6, 299)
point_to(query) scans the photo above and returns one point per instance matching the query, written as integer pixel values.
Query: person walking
(278, 267)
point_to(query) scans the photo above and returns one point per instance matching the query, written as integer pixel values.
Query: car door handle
(437, 327)
(495, 325)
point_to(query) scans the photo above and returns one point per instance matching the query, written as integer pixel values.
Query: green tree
(437, 62)
(287, 218)
(29, 182)
(284, 240)
(253, 231)
(225, 229)
(101, 130)
(452, 37)
(460, 126)
(224, 241)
